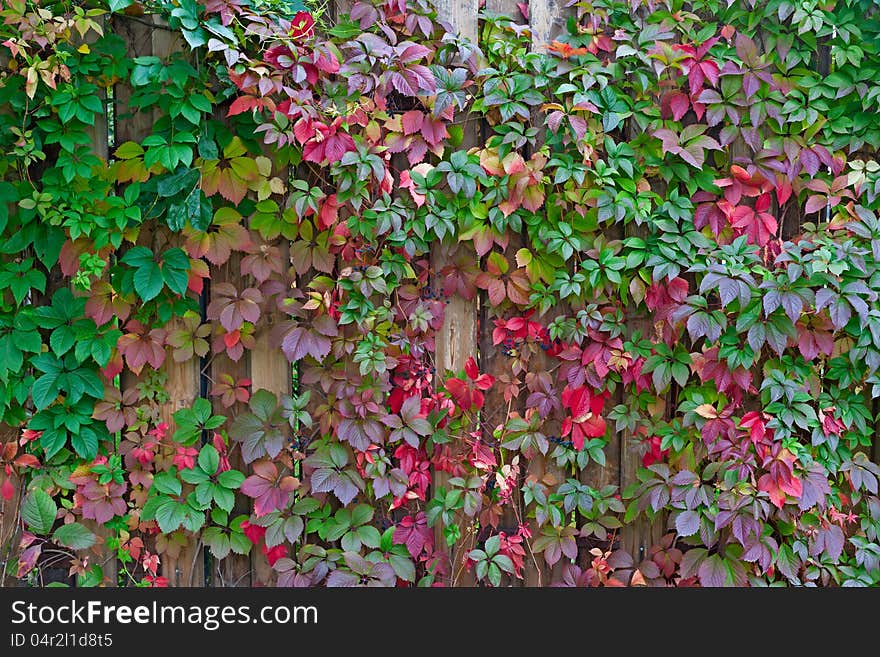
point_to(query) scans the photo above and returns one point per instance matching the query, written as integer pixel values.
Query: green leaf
(85, 443)
(45, 390)
(193, 476)
(203, 494)
(53, 440)
(209, 459)
(494, 574)
(217, 541)
(138, 256)
(224, 498)
(208, 149)
(504, 563)
(119, 5)
(240, 543)
(148, 281)
(175, 270)
(403, 567)
(231, 479)
(38, 511)
(263, 403)
(74, 536)
(62, 339)
(167, 483)
(170, 514)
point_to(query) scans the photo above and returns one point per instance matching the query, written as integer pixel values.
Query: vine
(670, 214)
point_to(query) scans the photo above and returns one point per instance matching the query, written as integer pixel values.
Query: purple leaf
(300, 342)
(687, 523)
(713, 572)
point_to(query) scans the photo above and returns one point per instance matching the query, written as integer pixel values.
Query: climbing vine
(668, 217)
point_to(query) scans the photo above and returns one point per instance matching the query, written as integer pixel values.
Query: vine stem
(192, 565)
(529, 545)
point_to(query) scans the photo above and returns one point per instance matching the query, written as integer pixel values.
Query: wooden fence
(466, 332)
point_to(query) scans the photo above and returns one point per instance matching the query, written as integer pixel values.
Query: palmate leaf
(148, 282)
(190, 338)
(192, 421)
(150, 276)
(300, 341)
(687, 523)
(194, 210)
(175, 270)
(264, 430)
(85, 442)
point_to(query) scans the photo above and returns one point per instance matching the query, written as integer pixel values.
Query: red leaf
(412, 52)
(470, 368)
(434, 130)
(7, 490)
(679, 103)
(304, 129)
(302, 26)
(815, 204)
(68, 258)
(783, 189)
(300, 342)
(709, 214)
(247, 103)
(758, 227)
(809, 160)
(412, 122)
(336, 146)
(329, 213)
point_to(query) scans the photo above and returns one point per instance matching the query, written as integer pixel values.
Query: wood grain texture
(100, 146)
(270, 370)
(235, 570)
(183, 568)
(182, 384)
(456, 341)
(461, 15)
(546, 22)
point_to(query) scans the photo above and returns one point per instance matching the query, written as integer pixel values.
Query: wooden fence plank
(492, 359)
(100, 141)
(456, 341)
(270, 370)
(545, 22)
(183, 567)
(182, 384)
(234, 570)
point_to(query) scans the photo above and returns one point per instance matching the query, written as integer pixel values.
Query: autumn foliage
(667, 219)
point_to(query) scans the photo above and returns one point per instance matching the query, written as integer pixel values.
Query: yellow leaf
(30, 85)
(264, 165)
(84, 49)
(637, 289)
(277, 186)
(523, 257)
(707, 411)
